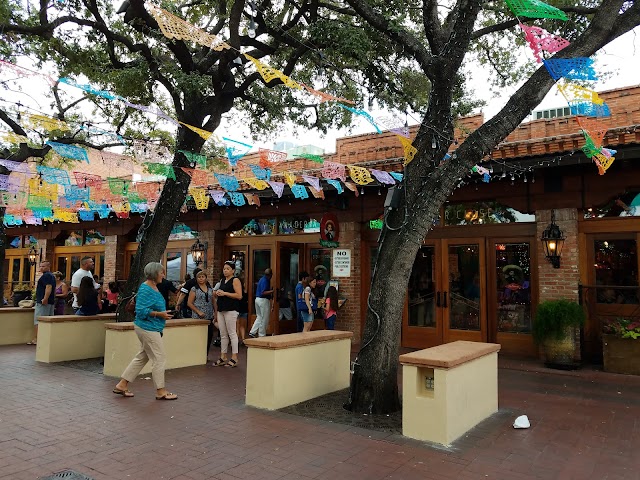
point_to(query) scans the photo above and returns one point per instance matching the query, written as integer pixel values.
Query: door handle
(444, 303)
(437, 299)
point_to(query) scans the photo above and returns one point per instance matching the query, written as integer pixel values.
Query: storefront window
(261, 261)
(321, 269)
(615, 265)
(626, 205)
(513, 276)
(94, 237)
(15, 242)
(174, 266)
(74, 239)
(290, 225)
(180, 231)
(422, 308)
(15, 271)
(29, 241)
(483, 213)
(257, 226)
(464, 287)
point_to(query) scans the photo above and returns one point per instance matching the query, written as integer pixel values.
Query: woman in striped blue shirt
(151, 314)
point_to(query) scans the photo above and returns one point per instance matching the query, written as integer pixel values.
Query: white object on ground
(521, 422)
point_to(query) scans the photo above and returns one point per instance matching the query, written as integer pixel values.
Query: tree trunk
(156, 228)
(3, 248)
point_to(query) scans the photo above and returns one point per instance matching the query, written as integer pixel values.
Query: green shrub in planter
(554, 317)
(554, 328)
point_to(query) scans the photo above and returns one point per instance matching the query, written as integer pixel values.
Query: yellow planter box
(16, 325)
(288, 369)
(448, 389)
(185, 343)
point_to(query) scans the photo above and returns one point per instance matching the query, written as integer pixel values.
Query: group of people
(88, 296)
(221, 305)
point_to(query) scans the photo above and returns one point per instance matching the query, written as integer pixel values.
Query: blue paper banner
(69, 151)
(335, 183)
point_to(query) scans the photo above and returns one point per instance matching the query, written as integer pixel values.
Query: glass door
(511, 294)
(285, 278)
(423, 325)
(463, 299)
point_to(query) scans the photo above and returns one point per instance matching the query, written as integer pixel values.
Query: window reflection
(422, 308)
(513, 276)
(616, 265)
(464, 287)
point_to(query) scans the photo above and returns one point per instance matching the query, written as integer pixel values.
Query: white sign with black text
(341, 263)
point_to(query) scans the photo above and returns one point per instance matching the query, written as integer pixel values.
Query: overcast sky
(621, 58)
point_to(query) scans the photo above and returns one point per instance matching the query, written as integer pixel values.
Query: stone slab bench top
(449, 355)
(290, 340)
(16, 309)
(76, 318)
(122, 326)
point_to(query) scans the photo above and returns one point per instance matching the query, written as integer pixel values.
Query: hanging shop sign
(329, 231)
(341, 263)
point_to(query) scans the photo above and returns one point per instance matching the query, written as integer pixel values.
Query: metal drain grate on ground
(330, 408)
(67, 475)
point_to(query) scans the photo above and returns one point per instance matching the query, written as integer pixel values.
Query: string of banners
(585, 103)
(32, 196)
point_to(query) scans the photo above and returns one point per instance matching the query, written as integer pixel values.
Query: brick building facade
(484, 256)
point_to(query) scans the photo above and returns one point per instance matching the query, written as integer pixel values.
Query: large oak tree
(438, 39)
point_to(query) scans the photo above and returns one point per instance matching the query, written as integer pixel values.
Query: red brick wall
(560, 282)
(349, 316)
(113, 258)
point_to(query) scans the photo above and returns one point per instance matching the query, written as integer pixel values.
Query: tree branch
(395, 33)
(432, 27)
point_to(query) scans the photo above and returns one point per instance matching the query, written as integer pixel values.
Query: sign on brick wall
(341, 263)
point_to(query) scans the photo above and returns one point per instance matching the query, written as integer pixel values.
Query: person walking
(331, 308)
(62, 292)
(86, 264)
(264, 295)
(45, 297)
(88, 298)
(228, 299)
(300, 303)
(311, 305)
(200, 302)
(151, 315)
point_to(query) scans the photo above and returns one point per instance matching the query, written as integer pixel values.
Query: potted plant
(21, 291)
(555, 328)
(621, 346)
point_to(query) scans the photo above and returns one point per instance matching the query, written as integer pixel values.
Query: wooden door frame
(423, 337)
(512, 343)
(448, 334)
(301, 257)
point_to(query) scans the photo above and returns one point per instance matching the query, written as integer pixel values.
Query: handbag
(131, 305)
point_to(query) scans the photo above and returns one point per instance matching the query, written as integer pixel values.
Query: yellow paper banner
(175, 27)
(409, 150)
(268, 73)
(290, 178)
(48, 123)
(255, 183)
(360, 175)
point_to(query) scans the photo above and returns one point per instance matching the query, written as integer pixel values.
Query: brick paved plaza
(585, 425)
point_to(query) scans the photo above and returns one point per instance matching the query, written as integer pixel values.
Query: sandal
(124, 393)
(168, 396)
(232, 363)
(220, 362)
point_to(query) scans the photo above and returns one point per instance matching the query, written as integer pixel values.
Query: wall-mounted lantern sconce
(199, 251)
(33, 255)
(552, 241)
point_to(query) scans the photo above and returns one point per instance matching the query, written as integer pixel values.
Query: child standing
(331, 308)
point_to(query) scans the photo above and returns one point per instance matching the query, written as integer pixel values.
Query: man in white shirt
(86, 265)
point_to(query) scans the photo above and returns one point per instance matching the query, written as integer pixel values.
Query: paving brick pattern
(585, 425)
